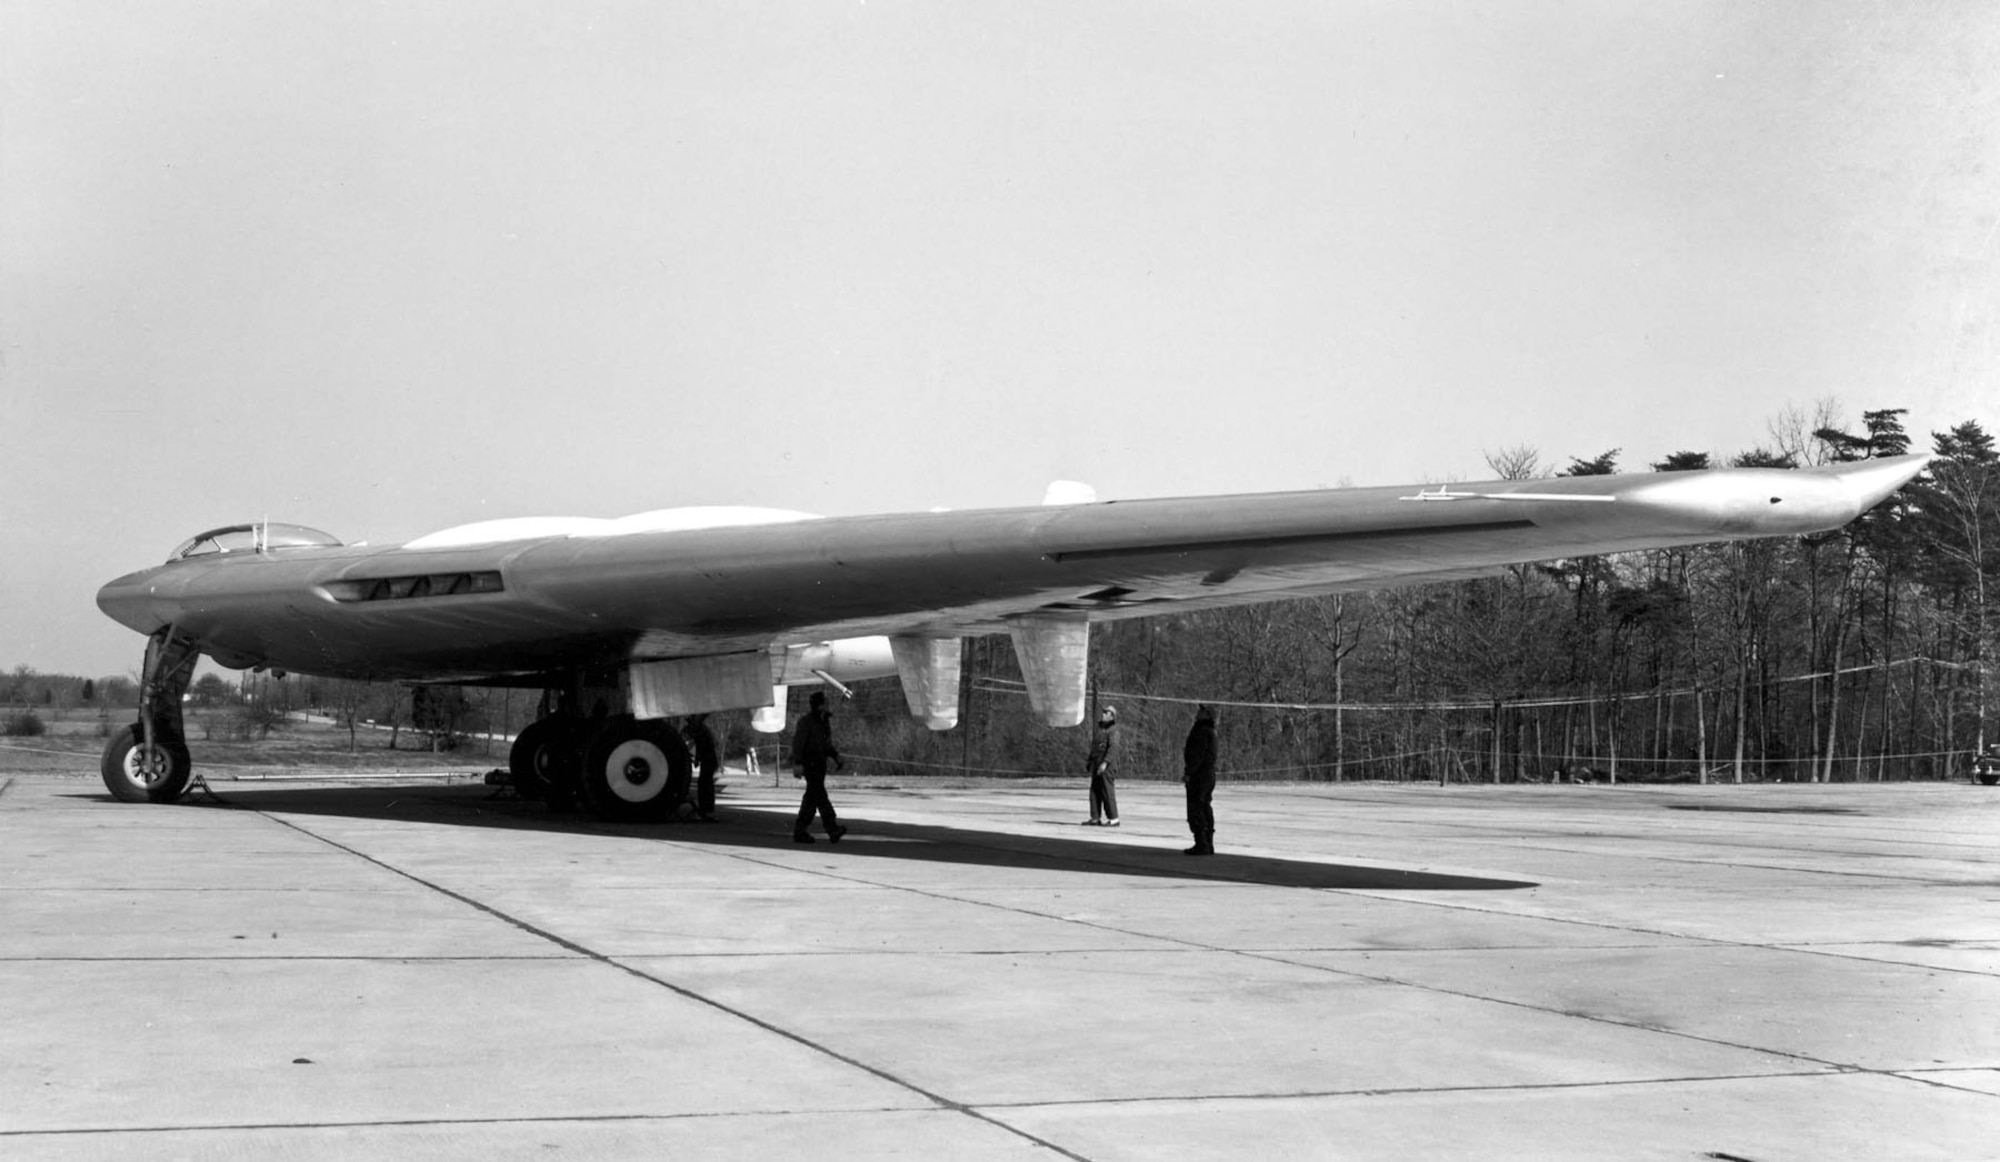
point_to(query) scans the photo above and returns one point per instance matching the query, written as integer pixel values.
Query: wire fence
(1538, 738)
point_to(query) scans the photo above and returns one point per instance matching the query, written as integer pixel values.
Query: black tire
(630, 768)
(130, 779)
(1989, 779)
(534, 760)
(547, 760)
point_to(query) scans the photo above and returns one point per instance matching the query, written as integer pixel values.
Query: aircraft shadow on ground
(769, 827)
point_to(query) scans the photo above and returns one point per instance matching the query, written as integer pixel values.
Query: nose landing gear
(147, 762)
(138, 772)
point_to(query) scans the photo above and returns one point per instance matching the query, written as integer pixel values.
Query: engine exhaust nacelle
(842, 661)
(928, 668)
(831, 663)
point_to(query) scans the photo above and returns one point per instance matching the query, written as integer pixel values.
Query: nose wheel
(137, 772)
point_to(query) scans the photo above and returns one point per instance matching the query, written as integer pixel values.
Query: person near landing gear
(1103, 791)
(680, 780)
(701, 740)
(812, 749)
(1199, 764)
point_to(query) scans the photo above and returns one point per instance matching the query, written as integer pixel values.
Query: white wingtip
(1069, 492)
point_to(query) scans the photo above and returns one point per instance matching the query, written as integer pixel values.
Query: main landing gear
(147, 762)
(545, 760)
(623, 769)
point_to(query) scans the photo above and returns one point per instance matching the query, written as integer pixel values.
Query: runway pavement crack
(938, 1100)
(385, 1123)
(1393, 1091)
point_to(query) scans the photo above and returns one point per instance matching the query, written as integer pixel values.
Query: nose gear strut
(148, 760)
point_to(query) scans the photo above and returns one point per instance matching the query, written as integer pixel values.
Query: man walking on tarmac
(1199, 759)
(1103, 791)
(812, 746)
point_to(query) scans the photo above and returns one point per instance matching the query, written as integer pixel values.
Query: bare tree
(1792, 431)
(1515, 462)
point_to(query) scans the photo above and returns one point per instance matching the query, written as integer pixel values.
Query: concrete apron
(1365, 972)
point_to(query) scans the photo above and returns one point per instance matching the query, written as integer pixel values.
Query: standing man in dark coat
(1199, 757)
(679, 780)
(1103, 791)
(701, 740)
(812, 746)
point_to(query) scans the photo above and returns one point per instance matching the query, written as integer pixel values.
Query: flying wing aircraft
(627, 622)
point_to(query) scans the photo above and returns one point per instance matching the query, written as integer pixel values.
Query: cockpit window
(265, 537)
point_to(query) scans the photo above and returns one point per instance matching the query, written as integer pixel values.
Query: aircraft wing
(687, 618)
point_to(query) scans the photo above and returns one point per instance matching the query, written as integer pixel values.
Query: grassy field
(74, 740)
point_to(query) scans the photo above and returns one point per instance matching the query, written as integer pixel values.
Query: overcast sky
(386, 268)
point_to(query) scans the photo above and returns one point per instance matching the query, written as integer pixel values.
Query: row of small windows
(422, 585)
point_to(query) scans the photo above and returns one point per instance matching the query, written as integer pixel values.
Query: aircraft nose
(129, 602)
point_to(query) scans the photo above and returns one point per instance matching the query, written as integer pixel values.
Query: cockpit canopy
(262, 537)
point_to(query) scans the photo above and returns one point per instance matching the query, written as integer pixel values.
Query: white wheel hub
(147, 765)
(636, 771)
